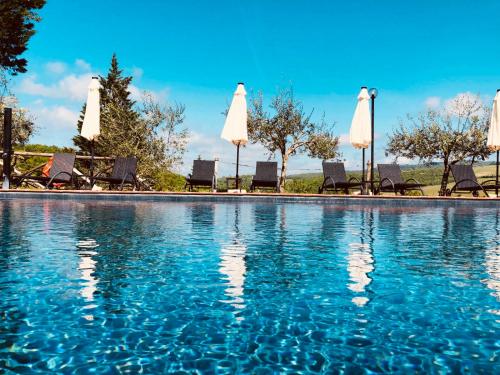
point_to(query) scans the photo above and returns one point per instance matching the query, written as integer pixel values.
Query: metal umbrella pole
(91, 178)
(363, 187)
(496, 180)
(237, 164)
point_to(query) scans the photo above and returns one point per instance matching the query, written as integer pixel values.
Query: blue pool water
(204, 287)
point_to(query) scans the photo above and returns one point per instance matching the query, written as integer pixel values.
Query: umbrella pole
(363, 190)
(496, 180)
(91, 164)
(237, 163)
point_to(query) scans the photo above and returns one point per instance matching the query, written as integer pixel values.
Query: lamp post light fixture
(373, 92)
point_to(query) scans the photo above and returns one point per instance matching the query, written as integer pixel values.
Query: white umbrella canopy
(91, 121)
(493, 142)
(360, 134)
(235, 127)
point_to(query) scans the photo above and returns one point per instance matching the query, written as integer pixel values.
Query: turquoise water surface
(157, 287)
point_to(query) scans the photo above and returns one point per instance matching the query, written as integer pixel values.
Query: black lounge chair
(203, 175)
(124, 173)
(266, 176)
(335, 179)
(391, 180)
(61, 172)
(466, 181)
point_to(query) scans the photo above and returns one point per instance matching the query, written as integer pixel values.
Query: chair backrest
(203, 170)
(335, 171)
(390, 171)
(62, 162)
(464, 172)
(266, 171)
(125, 167)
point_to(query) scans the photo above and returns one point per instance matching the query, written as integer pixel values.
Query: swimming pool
(121, 286)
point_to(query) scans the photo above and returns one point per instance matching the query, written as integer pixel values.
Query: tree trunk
(444, 179)
(284, 162)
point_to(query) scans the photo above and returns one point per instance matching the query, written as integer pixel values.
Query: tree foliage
(454, 133)
(17, 20)
(148, 130)
(23, 126)
(288, 130)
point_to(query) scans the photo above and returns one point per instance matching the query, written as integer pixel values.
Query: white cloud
(82, 65)
(72, 87)
(55, 67)
(344, 139)
(56, 117)
(137, 73)
(433, 102)
(135, 92)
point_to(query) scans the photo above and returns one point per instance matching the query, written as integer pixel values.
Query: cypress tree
(118, 116)
(129, 129)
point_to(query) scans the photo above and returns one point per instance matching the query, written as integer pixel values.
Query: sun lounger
(467, 182)
(203, 175)
(391, 180)
(60, 172)
(335, 179)
(124, 173)
(266, 176)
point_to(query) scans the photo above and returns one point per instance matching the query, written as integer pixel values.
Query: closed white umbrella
(235, 127)
(360, 134)
(493, 141)
(91, 127)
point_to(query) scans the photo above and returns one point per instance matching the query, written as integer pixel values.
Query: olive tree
(23, 125)
(452, 133)
(288, 130)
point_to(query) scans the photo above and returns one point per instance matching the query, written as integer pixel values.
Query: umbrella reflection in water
(360, 264)
(87, 267)
(233, 267)
(492, 265)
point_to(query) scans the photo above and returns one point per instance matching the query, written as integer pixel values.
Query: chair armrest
(468, 179)
(354, 179)
(386, 179)
(412, 179)
(333, 181)
(57, 174)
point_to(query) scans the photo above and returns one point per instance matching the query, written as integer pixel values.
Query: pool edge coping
(251, 197)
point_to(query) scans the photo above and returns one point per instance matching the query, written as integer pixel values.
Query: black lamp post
(7, 147)
(496, 178)
(373, 92)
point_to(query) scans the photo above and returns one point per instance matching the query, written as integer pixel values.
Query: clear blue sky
(416, 53)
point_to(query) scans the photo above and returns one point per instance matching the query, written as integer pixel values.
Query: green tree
(149, 131)
(452, 134)
(17, 18)
(288, 130)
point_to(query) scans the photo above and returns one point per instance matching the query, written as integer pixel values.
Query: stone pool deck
(333, 199)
